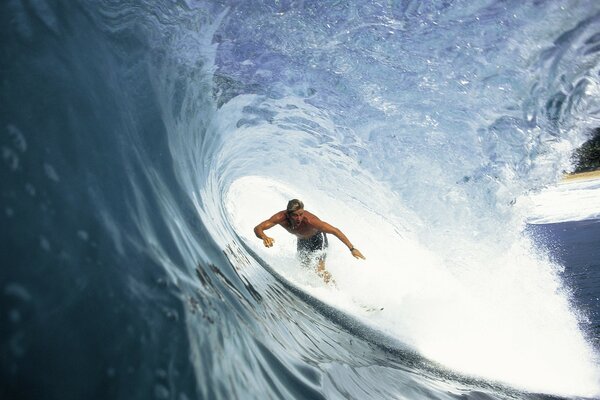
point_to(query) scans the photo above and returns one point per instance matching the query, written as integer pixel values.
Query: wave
(174, 128)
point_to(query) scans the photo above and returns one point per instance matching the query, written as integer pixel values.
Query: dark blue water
(576, 246)
(125, 125)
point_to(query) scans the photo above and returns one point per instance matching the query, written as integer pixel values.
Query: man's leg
(322, 272)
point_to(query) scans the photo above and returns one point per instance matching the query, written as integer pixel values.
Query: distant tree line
(587, 157)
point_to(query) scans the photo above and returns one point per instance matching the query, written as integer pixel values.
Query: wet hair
(294, 205)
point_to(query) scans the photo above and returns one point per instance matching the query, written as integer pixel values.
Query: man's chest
(303, 230)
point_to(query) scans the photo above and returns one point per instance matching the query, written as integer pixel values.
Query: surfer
(311, 233)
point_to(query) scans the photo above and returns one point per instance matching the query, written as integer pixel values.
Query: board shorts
(312, 249)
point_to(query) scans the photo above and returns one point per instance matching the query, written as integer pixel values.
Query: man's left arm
(327, 228)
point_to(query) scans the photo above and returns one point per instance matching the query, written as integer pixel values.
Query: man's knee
(321, 265)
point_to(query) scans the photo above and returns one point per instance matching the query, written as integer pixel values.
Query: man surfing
(311, 233)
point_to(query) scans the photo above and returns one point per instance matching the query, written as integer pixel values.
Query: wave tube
(423, 181)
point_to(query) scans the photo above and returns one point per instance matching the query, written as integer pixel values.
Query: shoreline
(580, 176)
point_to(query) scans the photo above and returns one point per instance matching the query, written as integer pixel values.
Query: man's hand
(356, 253)
(268, 242)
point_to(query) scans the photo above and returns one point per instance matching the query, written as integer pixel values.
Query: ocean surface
(141, 141)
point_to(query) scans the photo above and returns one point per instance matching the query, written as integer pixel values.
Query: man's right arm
(269, 223)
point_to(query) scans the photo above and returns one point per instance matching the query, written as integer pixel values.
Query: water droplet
(51, 172)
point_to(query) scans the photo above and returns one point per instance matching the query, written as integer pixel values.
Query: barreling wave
(413, 127)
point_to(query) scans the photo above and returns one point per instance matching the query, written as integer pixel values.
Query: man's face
(296, 217)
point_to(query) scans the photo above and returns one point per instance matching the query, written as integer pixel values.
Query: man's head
(295, 210)
(294, 205)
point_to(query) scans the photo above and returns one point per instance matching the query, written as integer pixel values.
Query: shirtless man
(311, 234)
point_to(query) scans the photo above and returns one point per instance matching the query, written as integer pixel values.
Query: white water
(569, 201)
(500, 316)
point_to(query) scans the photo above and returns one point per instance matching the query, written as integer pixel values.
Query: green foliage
(587, 157)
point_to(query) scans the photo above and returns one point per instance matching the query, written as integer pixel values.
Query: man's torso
(304, 230)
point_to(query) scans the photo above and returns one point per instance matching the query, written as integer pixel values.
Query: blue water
(576, 246)
(141, 139)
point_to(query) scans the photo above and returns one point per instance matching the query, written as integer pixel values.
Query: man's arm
(327, 228)
(268, 224)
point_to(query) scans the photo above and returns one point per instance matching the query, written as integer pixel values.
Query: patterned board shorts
(312, 249)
